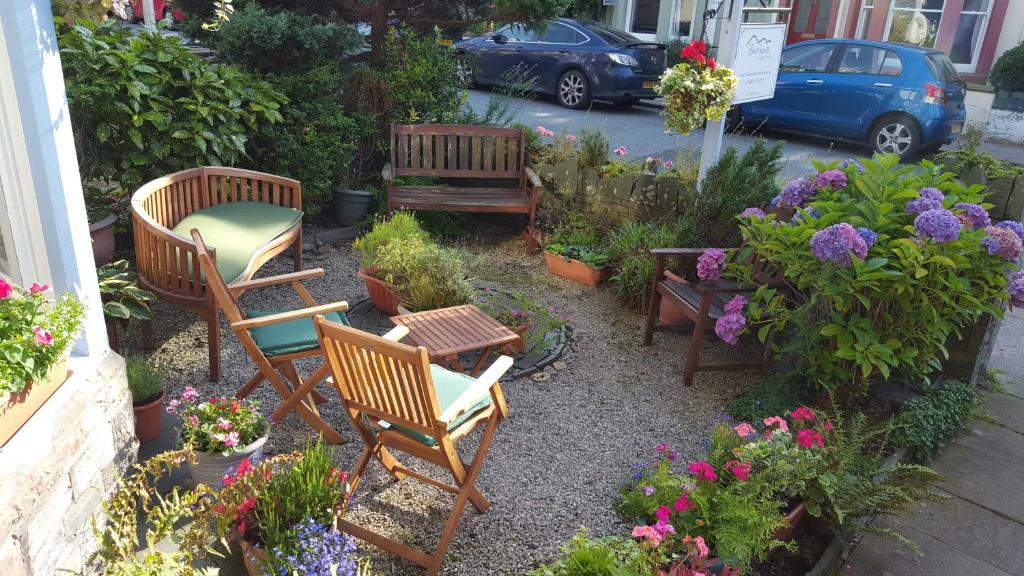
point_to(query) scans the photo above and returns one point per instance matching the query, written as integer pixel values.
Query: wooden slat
(487, 153)
(451, 143)
(416, 160)
(455, 330)
(463, 165)
(428, 151)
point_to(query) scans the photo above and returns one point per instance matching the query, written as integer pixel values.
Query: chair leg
(458, 472)
(331, 436)
(213, 338)
(297, 251)
(357, 472)
(250, 385)
(300, 392)
(693, 355)
(652, 317)
(147, 334)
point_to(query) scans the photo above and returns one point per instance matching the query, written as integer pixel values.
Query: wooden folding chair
(398, 400)
(703, 303)
(274, 339)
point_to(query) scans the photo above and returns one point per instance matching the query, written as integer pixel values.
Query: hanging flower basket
(695, 90)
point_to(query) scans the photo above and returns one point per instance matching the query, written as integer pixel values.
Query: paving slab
(1006, 410)
(880, 556)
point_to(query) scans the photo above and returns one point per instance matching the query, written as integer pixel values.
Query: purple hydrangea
(1016, 289)
(752, 213)
(1002, 242)
(830, 180)
(710, 264)
(735, 306)
(835, 243)
(974, 216)
(797, 192)
(938, 224)
(810, 210)
(1017, 227)
(930, 199)
(648, 490)
(776, 201)
(870, 236)
(728, 327)
(851, 162)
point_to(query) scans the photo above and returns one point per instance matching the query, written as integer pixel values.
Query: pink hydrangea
(5, 289)
(802, 413)
(830, 180)
(710, 264)
(736, 305)
(1002, 242)
(752, 212)
(740, 470)
(729, 326)
(1015, 288)
(570, 138)
(807, 438)
(43, 337)
(744, 430)
(703, 471)
(777, 421)
(621, 151)
(682, 504)
(38, 288)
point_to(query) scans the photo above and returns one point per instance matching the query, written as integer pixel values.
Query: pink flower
(570, 138)
(230, 439)
(827, 426)
(654, 534)
(808, 438)
(648, 490)
(189, 394)
(621, 151)
(224, 424)
(777, 421)
(663, 447)
(663, 513)
(802, 413)
(37, 288)
(669, 164)
(43, 337)
(683, 503)
(744, 430)
(736, 305)
(702, 548)
(173, 405)
(703, 471)
(544, 131)
(193, 420)
(5, 289)
(710, 264)
(739, 469)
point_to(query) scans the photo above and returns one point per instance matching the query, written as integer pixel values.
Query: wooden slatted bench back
(454, 150)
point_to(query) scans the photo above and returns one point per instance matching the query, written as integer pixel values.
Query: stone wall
(60, 466)
(1006, 120)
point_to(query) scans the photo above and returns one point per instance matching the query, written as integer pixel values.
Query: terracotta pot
(669, 312)
(149, 419)
(381, 293)
(253, 558)
(574, 270)
(792, 519)
(17, 408)
(102, 234)
(210, 467)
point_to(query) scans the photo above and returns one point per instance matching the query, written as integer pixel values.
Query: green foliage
(773, 395)
(966, 156)
(1008, 72)
(673, 47)
(142, 105)
(594, 148)
(122, 297)
(514, 89)
(145, 379)
(608, 556)
(28, 319)
(518, 310)
(589, 256)
(70, 11)
(929, 421)
(201, 420)
(629, 250)
(731, 185)
(739, 521)
(617, 168)
(577, 230)
(283, 42)
(424, 79)
(634, 506)
(694, 93)
(895, 310)
(400, 225)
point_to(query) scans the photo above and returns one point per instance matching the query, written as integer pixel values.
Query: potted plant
(102, 205)
(123, 300)
(582, 264)
(383, 293)
(220, 431)
(145, 380)
(36, 333)
(283, 514)
(351, 206)
(695, 90)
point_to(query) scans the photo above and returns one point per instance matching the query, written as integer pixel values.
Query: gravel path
(555, 464)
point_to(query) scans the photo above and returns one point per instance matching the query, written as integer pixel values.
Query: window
(559, 34)
(8, 266)
(812, 58)
(517, 33)
(970, 32)
(864, 19)
(914, 22)
(870, 60)
(645, 16)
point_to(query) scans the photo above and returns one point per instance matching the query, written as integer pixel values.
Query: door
(859, 89)
(810, 19)
(546, 52)
(799, 88)
(497, 59)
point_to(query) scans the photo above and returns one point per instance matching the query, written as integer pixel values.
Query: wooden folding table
(448, 332)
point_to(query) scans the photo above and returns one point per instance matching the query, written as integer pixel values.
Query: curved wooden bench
(252, 215)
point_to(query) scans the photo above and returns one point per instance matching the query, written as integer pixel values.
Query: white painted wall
(1013, 28)
(978, 104)
(1006, 126)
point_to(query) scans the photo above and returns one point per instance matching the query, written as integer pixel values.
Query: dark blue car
(575, 61)
(894, 98)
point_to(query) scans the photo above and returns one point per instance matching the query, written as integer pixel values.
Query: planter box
(210, 467)
(574, 270)
(16, 409)
(102, 234)
(969, 355)
(381, 293)
(253, 558)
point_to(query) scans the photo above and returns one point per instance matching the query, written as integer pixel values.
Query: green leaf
(116, 310)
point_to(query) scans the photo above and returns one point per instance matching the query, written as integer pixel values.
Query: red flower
(248, 505)
(235, 406)
(241, 528)
(827, 426)
(739, 469)
(683, 503)
(243, 467)
(703, 471)
(802, 413)
(712, 64)
(228, 480)
(218, 509)
(807, 438)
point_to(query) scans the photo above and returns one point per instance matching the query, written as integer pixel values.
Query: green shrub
(608, 556)
(424, 79)
(1008, 72)
(776, 394)
(633, 506)
(629, 251)
(731, 185)
(142, 105)
(966, 156)
(400, 225)
(673, 47)
(145, 379)
(35, 333)
(929, 421)
(283, 42)
(594, 148)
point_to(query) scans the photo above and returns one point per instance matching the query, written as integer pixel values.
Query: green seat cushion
(238, 230)
(449, 386)
(288, 337)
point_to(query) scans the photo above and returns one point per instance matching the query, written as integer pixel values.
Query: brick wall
(59, 467)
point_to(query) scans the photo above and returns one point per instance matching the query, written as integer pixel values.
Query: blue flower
(870, 236)
(1017, 227)
(973, 215)
(797, 192)
(938, 224)
(929, 199)
(317, 551)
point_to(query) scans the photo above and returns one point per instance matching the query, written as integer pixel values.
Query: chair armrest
(482, 386)
(396, 333)
(387, 173)
(250, 323)
(683, 251)
(532, 177)
(279, 279)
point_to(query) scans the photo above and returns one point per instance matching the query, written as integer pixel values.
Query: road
(641, 130)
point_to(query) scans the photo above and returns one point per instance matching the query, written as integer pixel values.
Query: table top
(450, 331)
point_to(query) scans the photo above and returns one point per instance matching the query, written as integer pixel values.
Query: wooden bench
(246, 217)
(481, 155)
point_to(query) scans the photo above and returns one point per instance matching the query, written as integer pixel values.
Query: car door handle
(883, 84)
(815, 82)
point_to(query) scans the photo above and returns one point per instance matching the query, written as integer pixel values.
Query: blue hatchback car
(576, 61)
(891, 97)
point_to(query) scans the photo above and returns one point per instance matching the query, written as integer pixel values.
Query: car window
(941, 68)
(812, 58)
(870, 60)
(558, 34)
(613, 36)
(517, 33)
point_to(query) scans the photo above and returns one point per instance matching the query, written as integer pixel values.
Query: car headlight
(624, 59)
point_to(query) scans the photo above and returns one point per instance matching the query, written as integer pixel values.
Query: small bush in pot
(35, 332)
(145, 381)
(221, 432)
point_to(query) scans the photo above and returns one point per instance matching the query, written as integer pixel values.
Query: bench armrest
(250, 323)
(532, 177)
(477, 390)
(396, 333)
(387, 173)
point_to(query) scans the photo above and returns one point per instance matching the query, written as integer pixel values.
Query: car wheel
(574, 90)
(895, 135)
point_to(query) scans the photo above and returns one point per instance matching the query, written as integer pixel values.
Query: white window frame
(867, 8)
(893, 9)
(630, 11)
(986, 18)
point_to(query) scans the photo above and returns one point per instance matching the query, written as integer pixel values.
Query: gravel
(556, 462)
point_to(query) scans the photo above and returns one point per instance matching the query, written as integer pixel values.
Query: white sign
(756, 65)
